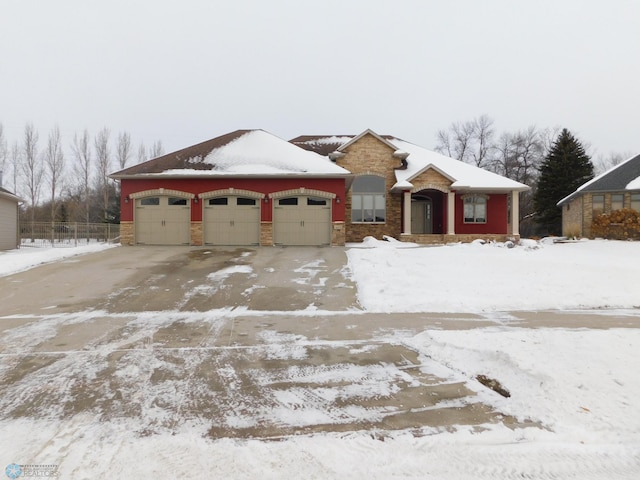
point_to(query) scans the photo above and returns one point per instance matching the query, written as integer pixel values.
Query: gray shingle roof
(613, 180)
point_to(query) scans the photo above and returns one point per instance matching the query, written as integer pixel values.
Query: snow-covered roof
(6, 194)
(463, 175)
(624, 176)
(244, 152)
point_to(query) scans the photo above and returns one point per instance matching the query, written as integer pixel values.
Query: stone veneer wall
(572, 218)
(266, 234)
(126, 233)
(196, 234)
(370, 156)
(338, 234)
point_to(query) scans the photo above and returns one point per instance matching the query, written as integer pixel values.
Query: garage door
(162, 220)
(231, 220)
(302, 220)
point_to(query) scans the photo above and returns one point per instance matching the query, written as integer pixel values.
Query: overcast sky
(189, 70)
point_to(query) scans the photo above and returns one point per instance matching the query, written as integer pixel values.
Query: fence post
(75, 233)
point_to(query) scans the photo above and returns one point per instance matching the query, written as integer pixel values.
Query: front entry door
(421, 216)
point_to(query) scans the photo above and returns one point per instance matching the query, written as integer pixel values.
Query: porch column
(406, 215)
(451, 213)
(515, 213)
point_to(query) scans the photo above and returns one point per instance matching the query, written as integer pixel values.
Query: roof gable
(624, 176)
(368, 131)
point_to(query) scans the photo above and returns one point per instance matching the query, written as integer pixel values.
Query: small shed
(9, 237)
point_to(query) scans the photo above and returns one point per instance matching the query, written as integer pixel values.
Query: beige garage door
(162, 220)
(231, 220)
(302, 220)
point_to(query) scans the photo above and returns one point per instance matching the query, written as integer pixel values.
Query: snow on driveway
(574, 389)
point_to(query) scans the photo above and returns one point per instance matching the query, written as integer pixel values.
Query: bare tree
(4, 153)
(14, 157)
(54, 163)
(82, 154)
(470, 142)
(123, 150)
(32, 167)
(606, 162)
(156, 149)
(103, 163)
(142, 153)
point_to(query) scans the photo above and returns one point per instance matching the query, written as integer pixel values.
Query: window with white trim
(475, 208)
(635, 201)
(368, 199)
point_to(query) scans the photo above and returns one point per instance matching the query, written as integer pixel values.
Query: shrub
(620, 225)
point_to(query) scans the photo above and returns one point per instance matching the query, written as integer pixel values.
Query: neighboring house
(9, 238)
(251, 188)
(615, 189)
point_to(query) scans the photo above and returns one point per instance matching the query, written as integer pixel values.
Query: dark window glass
(368, 200)
(288, 201)
(219, 201)
(177, 201)
(150, 201)
(246, 201)
(316, 201)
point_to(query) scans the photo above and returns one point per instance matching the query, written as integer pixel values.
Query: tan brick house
(252, 188)
(410, 193)
(613, 190)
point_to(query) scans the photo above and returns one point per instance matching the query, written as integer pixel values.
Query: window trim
(621, 195)
(475, 205)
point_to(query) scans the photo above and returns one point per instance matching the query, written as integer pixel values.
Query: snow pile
(480, 277)
(14, 261)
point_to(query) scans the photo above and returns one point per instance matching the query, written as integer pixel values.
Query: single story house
(250, 187)
(9, 233)
(617, 188)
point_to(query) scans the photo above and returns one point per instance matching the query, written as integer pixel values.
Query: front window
(617, 201)
(598, 205)
(635, 201)
(475, 209)
(368, 199)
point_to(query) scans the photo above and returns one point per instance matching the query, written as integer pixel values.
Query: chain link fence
(64, 234)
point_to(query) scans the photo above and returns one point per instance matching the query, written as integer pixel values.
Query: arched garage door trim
(231, 191)
(162, 192)
(302, 191)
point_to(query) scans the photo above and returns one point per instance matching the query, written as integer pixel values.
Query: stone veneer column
(515, 213)
(451, 213)
(406, 217)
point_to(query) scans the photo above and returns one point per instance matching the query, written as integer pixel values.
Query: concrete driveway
(247, 342)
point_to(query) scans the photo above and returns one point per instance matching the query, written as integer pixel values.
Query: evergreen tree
(565, 168)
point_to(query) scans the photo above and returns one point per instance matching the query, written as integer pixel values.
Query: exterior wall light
(126, 199)
(337, 199)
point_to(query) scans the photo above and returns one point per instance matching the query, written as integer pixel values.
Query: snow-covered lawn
(475, 277)
(578, 387)
(25, 258)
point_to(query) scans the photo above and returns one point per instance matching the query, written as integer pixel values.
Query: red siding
(497, 217)
(266, 186)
